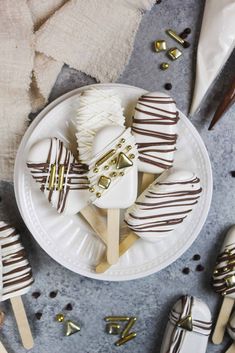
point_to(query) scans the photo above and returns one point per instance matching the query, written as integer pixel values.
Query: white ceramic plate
(68, 239)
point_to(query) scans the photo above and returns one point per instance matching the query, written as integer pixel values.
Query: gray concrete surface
(150, 298)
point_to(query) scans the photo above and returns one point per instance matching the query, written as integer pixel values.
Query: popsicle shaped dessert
(155, 129)
(231, 332)
(164, 205)
(64, 182)
(113, 178)
(97, 108)
(16, 278)
(223, 282)
(160, 209)
(188, 328)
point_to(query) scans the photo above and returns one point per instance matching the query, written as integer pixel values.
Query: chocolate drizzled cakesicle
(231, 332)
(164, 205)
(63, 180)
(113, 178)
(16, 277)
(155, 129)
(223, 281)
(188, 328)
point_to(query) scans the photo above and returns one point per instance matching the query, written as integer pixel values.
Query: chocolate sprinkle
(38, 315)
(69, 307)
(233, 173)
(186, 44)
(183, 35)
(158, 2)
(168, 86)
(53, 294)
(187, 30)
(36, 295)
(196, 257)
(200, 268)
(186, 271)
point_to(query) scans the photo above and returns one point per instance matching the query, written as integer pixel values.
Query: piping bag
(216, 43)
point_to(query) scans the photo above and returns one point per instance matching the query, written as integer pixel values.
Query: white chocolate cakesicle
(113, 171)
(224, 272)
(164, 205)
(97, 108)
(16, 272)
(188, 328)
(155, 130)
(61, 178)
(231, 326)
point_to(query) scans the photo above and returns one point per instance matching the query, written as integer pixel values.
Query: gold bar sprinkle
(175, 36)
(113, 328)
(52, 177)
(60, 178)
(125, 339)
(105, 157)
(128, 327)
(116, 318)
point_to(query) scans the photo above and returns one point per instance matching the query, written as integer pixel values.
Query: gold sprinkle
(129, 147)
(121, 173)
(113, 174)
(160, 45)
(113, 328)
(119, 145)
(174, 53)
(132, 156)
(164, 66)
(59, 317)
(123, 140)
(123, 161)
(113, 161)
(175, 36)
(105, 157)
(128, 327)
(91, 189)
(106, 167)
(60, 178)
(116, 318)
(52, 177)
(98, 194)
(104, 182)
(95, 170)
(125, 339)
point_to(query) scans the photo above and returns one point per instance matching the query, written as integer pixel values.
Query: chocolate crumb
(187, 30)
(38, 315)
(168, 86)
(69, 307)
(233, 173)
(196, 257)
(36, 295)
(53, 294)
(186, 45)
(200, 268)
(186, 271)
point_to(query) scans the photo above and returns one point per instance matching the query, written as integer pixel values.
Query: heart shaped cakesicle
(164, 205)
(223, 282)
(155, 130)
(188, 328)
(113, 178)
(16, 278)
(64, 182)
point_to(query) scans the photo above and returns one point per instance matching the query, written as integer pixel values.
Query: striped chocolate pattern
(164, 205)
(16, 271)
(154, 128)
(74, 178)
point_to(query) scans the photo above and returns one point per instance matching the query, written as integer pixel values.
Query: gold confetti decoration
(123, 140)
(106, 167)
(230, 281)
(164, 66)
(95, 170)
(98, 194)
(159, 45)
(105, 157)
(116, 318)
(174, 53)
(175, 36)
(113, 174)
(186, 323)
(59, 317)
(104, 182)
(91, 189)
(60, 178)
(113, 329)
(128, 327)
(52, 177)
(71, 327)
(123, 161)
(125, 339)
(129, 147)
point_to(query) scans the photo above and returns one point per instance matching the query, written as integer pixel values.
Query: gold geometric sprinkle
(104, 182)
(123, 161)
(174, 53)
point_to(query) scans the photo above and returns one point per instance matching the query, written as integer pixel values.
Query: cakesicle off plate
(68, 239)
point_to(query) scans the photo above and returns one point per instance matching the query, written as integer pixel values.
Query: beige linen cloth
(38, 36)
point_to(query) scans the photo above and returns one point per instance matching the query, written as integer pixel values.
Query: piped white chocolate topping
(97, 108)
(155, 130)
(164, 205)
(16, 273)
(60, 176)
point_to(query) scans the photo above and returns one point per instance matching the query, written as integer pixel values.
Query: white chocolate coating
(224, 272)
(155, 130)
(97, 108)
(122, 191)
(164, 205)
(74, 194)
(16, 273)
(231, 326)
(178, 339)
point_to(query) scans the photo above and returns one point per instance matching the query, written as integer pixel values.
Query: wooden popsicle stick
(96, 222)
(147, 179)
(113, 226)
(222, 320)
(124, 245)
(2, 348)
(22, 322)
(231, 349)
